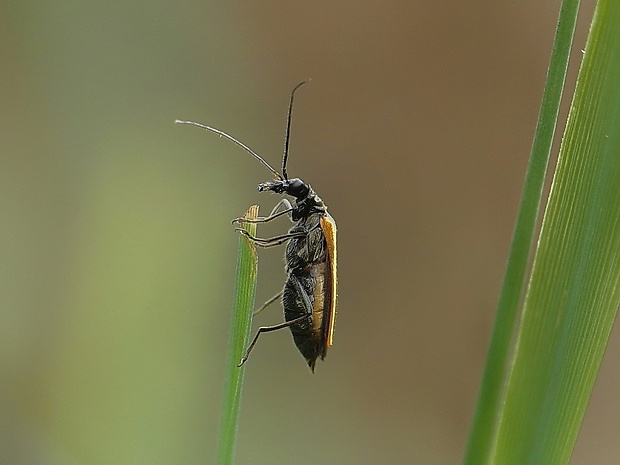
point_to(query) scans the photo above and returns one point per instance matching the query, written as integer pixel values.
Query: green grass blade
(484, 425)
(574, 292)
(245, 290)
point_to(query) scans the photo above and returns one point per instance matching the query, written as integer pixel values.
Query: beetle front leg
(273, 215)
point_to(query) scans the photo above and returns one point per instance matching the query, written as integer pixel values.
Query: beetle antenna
(287, 137)
(239, 143)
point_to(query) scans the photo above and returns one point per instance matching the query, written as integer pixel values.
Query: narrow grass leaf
(574, 292)
(484, 425)
(245, 290)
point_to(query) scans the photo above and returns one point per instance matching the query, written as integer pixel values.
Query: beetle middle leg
(268, 303)
(271, 241)
(266, 242)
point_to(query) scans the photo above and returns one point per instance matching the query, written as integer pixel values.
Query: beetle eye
(297, 188)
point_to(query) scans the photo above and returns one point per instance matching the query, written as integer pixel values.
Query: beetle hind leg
(268, 329)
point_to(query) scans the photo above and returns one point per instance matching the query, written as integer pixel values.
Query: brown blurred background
(118, 255)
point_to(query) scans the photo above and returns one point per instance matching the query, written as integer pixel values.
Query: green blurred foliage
(115, 276)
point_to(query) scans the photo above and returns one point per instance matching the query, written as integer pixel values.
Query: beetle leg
(275, 240)
(273, 215)
(268, 303)
(271, 241)
(267, 329)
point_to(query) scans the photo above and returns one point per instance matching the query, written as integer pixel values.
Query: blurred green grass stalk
(245, 291)
(574, 291)
(484, 424)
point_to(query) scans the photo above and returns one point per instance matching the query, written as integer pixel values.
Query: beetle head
(294, 187)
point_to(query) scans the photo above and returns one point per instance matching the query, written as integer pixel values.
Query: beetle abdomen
(307, 293)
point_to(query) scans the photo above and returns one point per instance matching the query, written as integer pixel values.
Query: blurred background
(118, 255)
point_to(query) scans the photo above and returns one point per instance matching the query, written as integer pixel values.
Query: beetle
(310, 293)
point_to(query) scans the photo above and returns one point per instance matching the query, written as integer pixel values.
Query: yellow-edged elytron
(310, 292)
